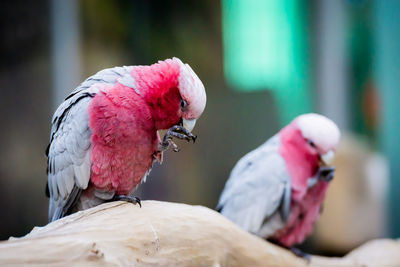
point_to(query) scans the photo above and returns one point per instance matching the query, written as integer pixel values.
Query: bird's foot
(326, 173)
(177, 131)
(299, 253)
(130, 199)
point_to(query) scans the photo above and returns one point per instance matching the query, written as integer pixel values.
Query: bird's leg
(299, 253)
(130, 199)
(180, 132)
(167, 143)
(296, 251)
(326, 173)
(177, 131)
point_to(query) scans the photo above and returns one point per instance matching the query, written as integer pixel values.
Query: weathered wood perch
(166, 234)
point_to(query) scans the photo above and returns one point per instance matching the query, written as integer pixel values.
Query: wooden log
(166, 234)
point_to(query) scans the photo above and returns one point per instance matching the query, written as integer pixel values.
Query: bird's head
(174, 92)
(310, 138)
(320, 136)
(308, 145)
(192, 95)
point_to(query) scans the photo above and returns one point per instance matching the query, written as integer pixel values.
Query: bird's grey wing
(69, 158)
(257, 188)
(69, 148)
(106, 76)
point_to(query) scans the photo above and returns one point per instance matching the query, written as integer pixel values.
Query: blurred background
(262, 63)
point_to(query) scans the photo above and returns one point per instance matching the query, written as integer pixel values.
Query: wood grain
(165, 234)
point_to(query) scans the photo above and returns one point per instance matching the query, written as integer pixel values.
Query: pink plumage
(104, 138)
(303, 215)
(276, 191)
(302, 162)
(305, 204)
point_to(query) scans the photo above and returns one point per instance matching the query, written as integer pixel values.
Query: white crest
(319, 129)
(191, 89)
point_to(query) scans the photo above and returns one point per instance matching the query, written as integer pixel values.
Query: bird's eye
(311, 143)
(183, 105)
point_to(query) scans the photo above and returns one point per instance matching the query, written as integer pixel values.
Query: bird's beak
(189, 124)
(328, 157)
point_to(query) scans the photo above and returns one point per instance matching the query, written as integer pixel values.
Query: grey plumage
(257, 193)
(69, 149)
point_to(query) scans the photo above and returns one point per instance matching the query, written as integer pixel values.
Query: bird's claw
(326, 173)
(177, 131)
(130, 199)
(175, 148)
(182, 133)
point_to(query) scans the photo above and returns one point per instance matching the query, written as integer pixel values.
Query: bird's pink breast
(299, 163)
(303, 215)
(123, 139)
(305, 203)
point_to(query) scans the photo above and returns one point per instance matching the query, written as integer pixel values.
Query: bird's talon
(131, 199)
(175, 147)
(138, 201)
(177, 131)
(299, 253)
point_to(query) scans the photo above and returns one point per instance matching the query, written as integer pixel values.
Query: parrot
(277, 190)
(105, 136)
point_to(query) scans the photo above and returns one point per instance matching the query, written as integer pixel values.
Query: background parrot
(104, 136)
(276, 191)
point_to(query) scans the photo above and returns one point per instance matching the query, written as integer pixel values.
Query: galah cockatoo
(104, 138)
(276, 191)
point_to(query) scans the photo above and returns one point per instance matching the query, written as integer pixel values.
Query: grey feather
(257, 189)
(286, 199)
(128, 80)
(312, 181)
(69, 179)
(69, 149)
(81, 179)
(62, 188)
(53, 185)
(105, 195)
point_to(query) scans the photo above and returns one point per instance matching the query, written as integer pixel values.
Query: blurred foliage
(266, 46)
(364, 96)
(387, 73)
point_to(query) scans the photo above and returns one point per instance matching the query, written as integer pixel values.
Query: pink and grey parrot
(276, 191)
(104, 138)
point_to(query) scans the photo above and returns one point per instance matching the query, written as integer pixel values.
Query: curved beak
(328, 157)
(188, 124)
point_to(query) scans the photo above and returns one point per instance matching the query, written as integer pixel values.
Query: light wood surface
(166, 234)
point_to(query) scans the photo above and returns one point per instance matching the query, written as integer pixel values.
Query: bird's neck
(301, 165)
(158, 85)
